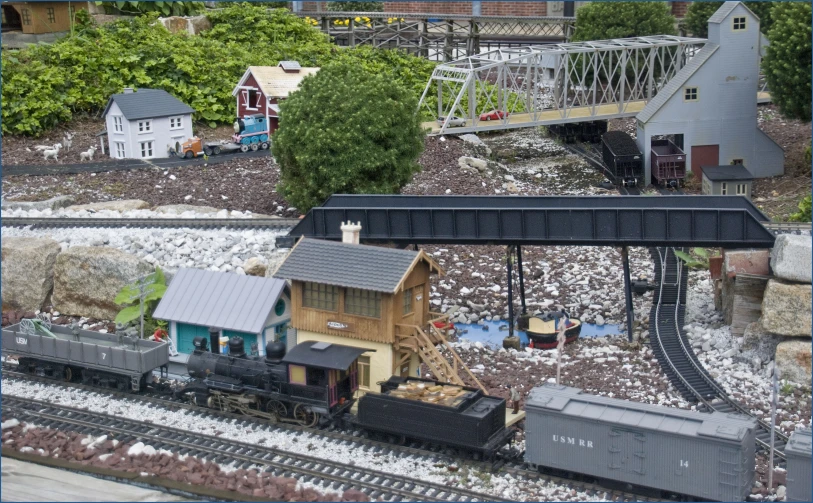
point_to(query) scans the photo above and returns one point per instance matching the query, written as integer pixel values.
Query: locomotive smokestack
(214, 339)
(351, 232)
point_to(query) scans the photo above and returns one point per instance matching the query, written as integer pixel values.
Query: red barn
(262, 88)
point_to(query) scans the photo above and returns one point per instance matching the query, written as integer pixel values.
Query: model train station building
(708, 107)
(261, 89)
(368, 297)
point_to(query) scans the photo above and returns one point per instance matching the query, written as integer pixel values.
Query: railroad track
(145, 223)
(376, 484)
(353, 440)
(788, 227)
(678, 359)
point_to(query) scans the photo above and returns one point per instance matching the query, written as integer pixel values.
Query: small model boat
(544, 328)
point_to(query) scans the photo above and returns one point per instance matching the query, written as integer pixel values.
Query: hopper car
(668, 164)
(623, 161)
(799, 452)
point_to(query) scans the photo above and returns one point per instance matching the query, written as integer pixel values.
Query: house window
(26, 16)
(296, 374)
(119, 149)
(736, 162)
(146, 149)
(279, 309)
(117, 125)
(407, 301)
(318, 296)
(742, 189)
(739, 23)
(724, 188)
(51, 16)
(144, 127)
(175, 123)
(362, 302)
(364, 372)
(251, 99)
(690, 94)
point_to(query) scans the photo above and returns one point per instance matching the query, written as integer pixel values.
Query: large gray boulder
(758, 342)
(791, 258)
(54, 203)
(27, 272)
(178, 209)
(87, 279)
(124, 205)
(786, 309)
(793, 361)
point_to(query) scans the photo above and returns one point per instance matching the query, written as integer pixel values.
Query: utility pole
(775, 390)
(145, 286)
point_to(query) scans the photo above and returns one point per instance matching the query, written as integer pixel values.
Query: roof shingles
(148, 104)
(347, 265)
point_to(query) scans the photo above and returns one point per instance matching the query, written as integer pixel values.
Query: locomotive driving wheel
(305, 416)
(255, 146)
(276, 408)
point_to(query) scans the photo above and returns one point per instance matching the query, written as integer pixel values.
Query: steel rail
(375, 483)
(513, 468)
(197, 223)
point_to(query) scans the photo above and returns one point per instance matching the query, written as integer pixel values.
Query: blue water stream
(494, 336)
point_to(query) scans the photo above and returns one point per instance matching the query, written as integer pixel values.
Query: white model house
(142, 124)
(709, 108)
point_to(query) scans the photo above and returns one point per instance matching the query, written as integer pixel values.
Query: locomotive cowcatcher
(312, 383)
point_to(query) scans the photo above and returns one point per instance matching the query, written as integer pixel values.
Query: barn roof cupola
(290, 66)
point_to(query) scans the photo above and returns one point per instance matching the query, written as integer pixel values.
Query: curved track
(197, 223)
(591, 155)
(678, 359)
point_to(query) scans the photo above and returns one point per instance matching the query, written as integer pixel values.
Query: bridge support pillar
(521, 280)
(627, 291)
(508, 264)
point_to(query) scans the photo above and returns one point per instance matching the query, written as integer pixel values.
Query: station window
(690, 94)
(318, 296)
(736, 162)
(51, 15)
(742, 189)
(26, 17)
(362, 302)
(117, 125)
(146, 149)
(175, 123)
(364, 372)
(407, 301)
(724, 188)
(739, 23)
(119, 149)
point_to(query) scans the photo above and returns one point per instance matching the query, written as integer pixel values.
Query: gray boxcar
(799, 455)
(91, 355)
(710, 456)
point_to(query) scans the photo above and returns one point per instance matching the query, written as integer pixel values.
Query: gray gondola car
(472, 421)
(710, 456)
(95, 358)
(799, 455)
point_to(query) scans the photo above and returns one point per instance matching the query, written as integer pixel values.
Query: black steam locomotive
(313, 382)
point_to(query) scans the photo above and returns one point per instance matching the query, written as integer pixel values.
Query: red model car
(493, 115)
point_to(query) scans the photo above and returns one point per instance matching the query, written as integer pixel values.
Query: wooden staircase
(424, 345)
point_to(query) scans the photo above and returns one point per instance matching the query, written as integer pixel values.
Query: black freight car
(668, 163)
(439, 413)
(622, 159)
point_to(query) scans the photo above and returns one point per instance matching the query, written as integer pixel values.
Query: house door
(417, 305)
(704, 155)
(187, 334)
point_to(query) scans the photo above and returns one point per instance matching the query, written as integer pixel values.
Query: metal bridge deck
(724, 221)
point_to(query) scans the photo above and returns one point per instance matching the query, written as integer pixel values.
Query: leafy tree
(355, 6)
(805, 213)
(143, 300)
(697, 259)
(787, 65)
(346, 130)
(604, 20)
(167, 8)
(763, 12)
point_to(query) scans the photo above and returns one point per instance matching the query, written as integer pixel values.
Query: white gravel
(501, 486)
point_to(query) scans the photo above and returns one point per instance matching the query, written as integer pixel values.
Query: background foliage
(787, 65)
(355, 6)
(375, 150)
(697, 17)
(604, 20)
(164, 8)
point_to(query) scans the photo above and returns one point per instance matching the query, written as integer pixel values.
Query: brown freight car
(668, 164)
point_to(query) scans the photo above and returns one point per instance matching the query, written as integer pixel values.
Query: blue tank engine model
(250, 129)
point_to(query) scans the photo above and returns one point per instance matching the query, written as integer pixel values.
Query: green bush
(804, 214)
(604, 20)
(346, 130)
(167, 8)
(787, 65)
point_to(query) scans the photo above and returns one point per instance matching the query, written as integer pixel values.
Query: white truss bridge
(557, 83)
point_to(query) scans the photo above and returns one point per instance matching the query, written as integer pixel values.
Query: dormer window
(690, 94)
(739, 23)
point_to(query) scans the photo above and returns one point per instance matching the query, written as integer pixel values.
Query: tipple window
(739, 23)
(317, 296)
(362, 302)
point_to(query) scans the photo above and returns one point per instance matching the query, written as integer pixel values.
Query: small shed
(144, 124)
(256, 309)
(40, 17)
(732, 180)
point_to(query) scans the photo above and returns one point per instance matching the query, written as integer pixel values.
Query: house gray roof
(801, 443)
(220, 299)
(677, 82)
(147, 104)
(568, 401)
(728, 172)
(348, 265)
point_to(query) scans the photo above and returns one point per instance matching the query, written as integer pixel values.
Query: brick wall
(679, 9)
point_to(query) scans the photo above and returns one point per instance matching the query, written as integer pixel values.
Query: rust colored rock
(258, 493)
(746, 261)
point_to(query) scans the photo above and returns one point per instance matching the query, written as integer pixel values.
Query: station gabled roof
(223, 300)
(148, 104)
(274, 81)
